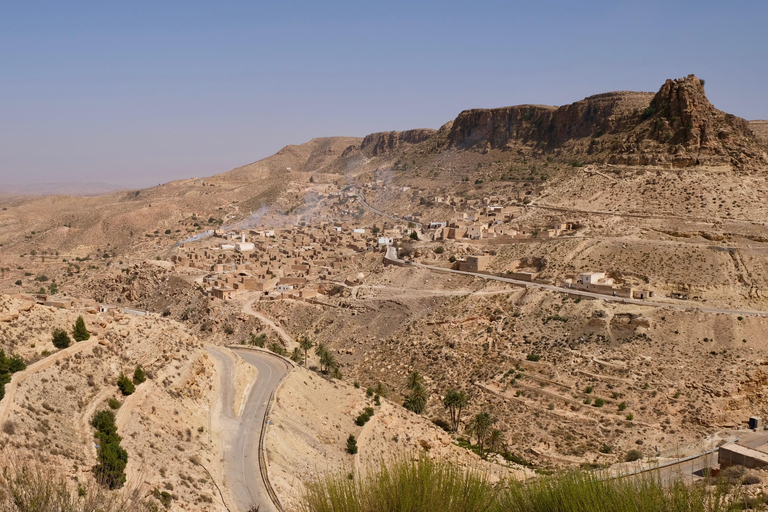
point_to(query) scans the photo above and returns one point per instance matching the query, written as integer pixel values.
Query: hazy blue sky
(136, 93)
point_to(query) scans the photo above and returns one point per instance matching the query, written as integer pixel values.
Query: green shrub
(599, 402)
(114, 403)
(533, 357)
(164, 497)
(61, 338)
(633, 455)
(439, 250)
(622, 406)
(79, 332)
(139, 376)
(351, 445)
(125, 385)
(111, 457)
(258, 341)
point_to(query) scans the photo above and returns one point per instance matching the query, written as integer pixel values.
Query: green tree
(381, 390)
(414, 235)
(125, 385)
(322, 352)
(351, 445)
(416, 400)
(462, 402)
(296, 355)
(61, 338)
(111, 457)
(414, 379)
(79, 332)
(328, 361)
(305, 343)
(495, 440)
(480, 427)
(451, 401)
(9, 366)
(139, 376)
(258, 341)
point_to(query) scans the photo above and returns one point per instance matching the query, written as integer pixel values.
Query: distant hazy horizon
(136, 94)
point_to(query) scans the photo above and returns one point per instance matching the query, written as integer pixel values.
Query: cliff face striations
(677, 126)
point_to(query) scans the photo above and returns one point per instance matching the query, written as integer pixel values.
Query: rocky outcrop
(677, 126)
(545, 126)
(378, 143)
(760, 129)
(681, 127)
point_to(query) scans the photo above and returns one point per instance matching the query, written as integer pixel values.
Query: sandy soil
(313, 417)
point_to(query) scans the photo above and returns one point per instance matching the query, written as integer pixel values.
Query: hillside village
(577, 295)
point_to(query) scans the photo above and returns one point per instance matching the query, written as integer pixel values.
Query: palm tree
(417, 399)
(327, 360)
(305, 343)
(296, 355)
(450, 401)
(479, 427)
(495, 440)
(381, 390)
(461, 402)
(415, 379)
(320, 349)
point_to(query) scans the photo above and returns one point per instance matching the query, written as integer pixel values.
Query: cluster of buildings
(282, 263)
(598, 282)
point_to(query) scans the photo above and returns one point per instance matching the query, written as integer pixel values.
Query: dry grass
(27, 486)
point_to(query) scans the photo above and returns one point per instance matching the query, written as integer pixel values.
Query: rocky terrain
(661, 191)
(47, 410)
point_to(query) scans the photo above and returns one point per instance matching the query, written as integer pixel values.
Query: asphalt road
(242, 435)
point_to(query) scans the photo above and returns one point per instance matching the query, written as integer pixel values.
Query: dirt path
(572, 291)
(248, 309)
(10, 389)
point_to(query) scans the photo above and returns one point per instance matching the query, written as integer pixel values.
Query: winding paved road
(242, 435)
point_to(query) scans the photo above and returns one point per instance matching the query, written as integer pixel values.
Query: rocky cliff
(381, 142)
(677, 126)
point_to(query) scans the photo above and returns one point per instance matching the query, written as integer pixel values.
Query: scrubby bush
(61, 338)
(114, 403)
(351, 445)
(139, 376)
(633, 455)
(125, 385)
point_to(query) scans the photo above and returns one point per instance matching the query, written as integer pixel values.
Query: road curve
(242, 435)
